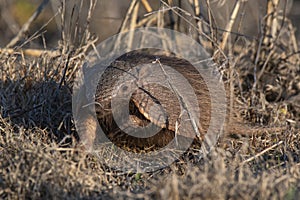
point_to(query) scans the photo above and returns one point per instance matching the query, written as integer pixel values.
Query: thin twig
(26, 26)
(230, 24)
(65, 70)
(261, 153)
(147, 5)
(210, 22)
(30, 52)
(128, 14)
(201, 33)
(197, 7)
(133, 21)
(195, 124)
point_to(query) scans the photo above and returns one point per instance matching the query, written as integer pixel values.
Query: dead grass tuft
(39, 152)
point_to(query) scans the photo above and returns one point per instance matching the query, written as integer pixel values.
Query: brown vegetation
(40, 154)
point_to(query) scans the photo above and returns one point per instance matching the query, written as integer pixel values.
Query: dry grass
(40, 156)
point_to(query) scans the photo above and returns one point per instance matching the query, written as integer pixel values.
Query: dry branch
(30, 52)
(230, 24)
(261, 153)
(147, 5)
(26, 26)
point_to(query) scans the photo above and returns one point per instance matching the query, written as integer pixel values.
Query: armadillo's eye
(124, 88)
